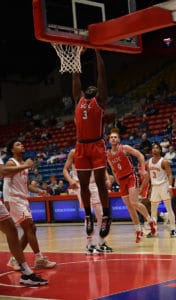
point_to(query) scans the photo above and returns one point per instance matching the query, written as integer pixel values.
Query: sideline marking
(24, 298)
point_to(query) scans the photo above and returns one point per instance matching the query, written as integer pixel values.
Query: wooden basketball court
(144, 271)
(133, 271)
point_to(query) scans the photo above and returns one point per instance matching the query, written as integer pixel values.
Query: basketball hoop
(69, 58)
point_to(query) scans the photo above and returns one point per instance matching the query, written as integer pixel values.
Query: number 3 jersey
(120, 162)
(157, 173)
(89, 119)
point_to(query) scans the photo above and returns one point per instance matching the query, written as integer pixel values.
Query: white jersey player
(161, 182)
(70, 175)
(16, 192)
(7, 226)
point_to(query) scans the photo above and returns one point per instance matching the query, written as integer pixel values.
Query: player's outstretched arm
(76, 87)
(101, 80)
(10, 169)
(76, 84)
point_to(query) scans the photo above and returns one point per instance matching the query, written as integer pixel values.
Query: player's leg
(22, 216)
(145, 195)
(24, 240)
(135, 218)
(171, 216)
(84, 179)
(102, 189)
(166, 197)
(146, 202)
(97, 153)
(17, 213)
(96, 205)
(144, 212)
(104, 198)
(157, 194)
(154, 215)
(90, 244)
(134, 199)
(132, 211)
(103, 244)
(29, 230)
(7, 226)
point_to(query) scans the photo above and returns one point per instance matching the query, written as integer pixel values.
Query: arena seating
(47, 170)
(156, 122)
(65, 138)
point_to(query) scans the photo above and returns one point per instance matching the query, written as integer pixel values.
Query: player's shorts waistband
(126, 176)
(90, 141)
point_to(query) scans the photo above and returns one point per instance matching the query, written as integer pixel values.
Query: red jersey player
(122, 167)
(90, 151)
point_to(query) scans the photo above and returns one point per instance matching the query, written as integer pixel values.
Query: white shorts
(20, 211)
(4, 214)
(94, 195)
(160, 192)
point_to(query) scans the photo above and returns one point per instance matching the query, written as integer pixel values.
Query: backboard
(67, 21)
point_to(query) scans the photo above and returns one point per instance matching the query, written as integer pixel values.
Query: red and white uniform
(94, 195)
(159, 181)
(90, 152)
(4, 214)
(123, 170)
(15, 191)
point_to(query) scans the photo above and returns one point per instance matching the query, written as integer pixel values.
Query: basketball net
(69, 58)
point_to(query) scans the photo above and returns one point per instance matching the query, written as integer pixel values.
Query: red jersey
(89, 119)
(121, 163)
